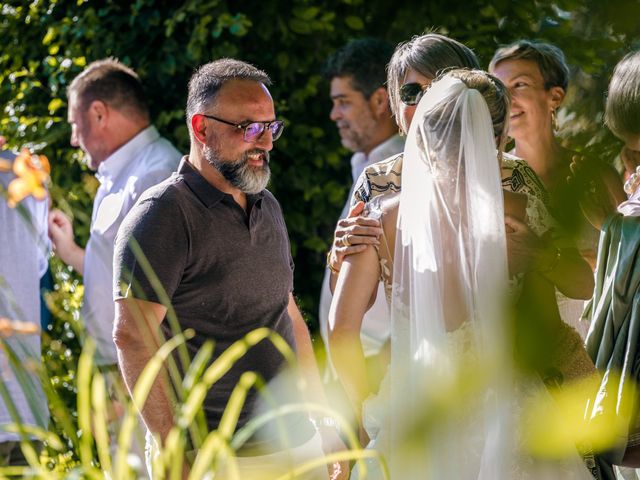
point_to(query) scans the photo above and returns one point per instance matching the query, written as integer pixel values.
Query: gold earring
(554, 121)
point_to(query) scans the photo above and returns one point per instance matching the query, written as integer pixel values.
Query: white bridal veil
(450, 369)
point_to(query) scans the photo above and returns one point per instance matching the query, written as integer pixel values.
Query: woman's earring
(554, 121)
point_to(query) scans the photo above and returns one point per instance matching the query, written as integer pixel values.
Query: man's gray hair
(549, 58)
(429, 55)
(207, 81)
(622, 112)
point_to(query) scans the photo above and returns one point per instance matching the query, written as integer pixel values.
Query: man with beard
(362, 113)
(216, 242)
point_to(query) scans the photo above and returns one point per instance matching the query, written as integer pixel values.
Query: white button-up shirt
(142, 162)
(376, 324)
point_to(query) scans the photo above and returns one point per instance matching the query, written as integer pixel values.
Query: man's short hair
(207, 81)
(111, 82)
(364, 60)
(622, 112)
(549, 58)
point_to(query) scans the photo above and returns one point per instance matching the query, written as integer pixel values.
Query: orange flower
(32, 172)
(17, 327)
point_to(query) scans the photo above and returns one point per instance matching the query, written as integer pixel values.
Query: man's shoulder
(171, 190)
(271, 201)
(159, 155)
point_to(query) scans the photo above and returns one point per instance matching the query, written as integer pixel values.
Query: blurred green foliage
(46, 43)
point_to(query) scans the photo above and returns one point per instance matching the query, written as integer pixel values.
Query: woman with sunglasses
(537, 77)
(413, 66)
(443, 259)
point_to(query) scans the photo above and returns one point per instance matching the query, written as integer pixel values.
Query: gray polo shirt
(226, 273)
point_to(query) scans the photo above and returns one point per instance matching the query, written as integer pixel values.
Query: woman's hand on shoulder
(352, 235)
(598, 187)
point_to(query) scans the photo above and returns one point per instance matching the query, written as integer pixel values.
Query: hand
(630, 159)
(596, 202)
(523, 246)
(61, 234)
(331, 442)
(353, 234)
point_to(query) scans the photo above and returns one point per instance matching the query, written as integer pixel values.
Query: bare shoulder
(515, 204)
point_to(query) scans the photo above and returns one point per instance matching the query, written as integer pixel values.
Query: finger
(515, 224)
(345, 251)
(357, 209)
(361, 239)
(373, 231)
(364, 221)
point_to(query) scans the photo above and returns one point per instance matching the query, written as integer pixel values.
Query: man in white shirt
(110, 122)
(363, 116)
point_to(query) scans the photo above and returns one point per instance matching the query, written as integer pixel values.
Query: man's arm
(306, 356)
(137, 338)
(315, 392)
(61, 234)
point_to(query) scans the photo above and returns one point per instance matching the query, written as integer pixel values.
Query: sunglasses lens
(253, 131)
(276, 129)
(410, 93)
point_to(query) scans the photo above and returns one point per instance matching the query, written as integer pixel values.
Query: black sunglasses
(254, 130)
(411, 93)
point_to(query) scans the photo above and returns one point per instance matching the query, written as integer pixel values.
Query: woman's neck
(543, 154)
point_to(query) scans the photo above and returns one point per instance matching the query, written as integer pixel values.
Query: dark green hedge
(46, 43)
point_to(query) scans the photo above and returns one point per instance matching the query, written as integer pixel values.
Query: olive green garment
(614, 335)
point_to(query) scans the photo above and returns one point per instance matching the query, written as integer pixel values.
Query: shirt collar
(388, 148)
(115, 163)
(207, 193)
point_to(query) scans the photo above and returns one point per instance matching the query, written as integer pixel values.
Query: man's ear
(199, 128)
(557, 96)
(379, 102)
(99, 113)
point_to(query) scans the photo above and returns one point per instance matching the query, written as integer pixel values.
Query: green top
(614, 336)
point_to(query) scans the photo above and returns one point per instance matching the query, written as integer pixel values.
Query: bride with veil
(449, 405)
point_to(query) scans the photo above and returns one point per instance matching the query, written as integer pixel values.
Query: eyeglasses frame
(244, 126)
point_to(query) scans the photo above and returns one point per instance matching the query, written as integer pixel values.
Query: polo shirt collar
(207, 193)
(115, 163)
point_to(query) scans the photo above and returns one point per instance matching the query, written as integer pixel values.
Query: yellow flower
(32, 174)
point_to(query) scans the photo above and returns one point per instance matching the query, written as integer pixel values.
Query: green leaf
(48, 38)
(299, 26)
(307, 14)
(354, 22)
(54, 105)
